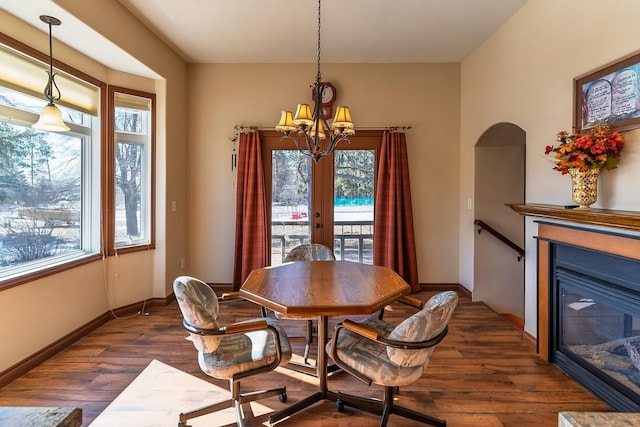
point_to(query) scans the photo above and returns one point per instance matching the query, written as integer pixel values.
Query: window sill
(48, 271)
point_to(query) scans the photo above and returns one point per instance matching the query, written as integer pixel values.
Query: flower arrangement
(599, 148)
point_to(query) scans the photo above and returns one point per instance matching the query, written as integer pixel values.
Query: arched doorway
(500, 179)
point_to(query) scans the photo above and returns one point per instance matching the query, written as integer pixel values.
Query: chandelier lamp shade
(50, 116)
(308, 128)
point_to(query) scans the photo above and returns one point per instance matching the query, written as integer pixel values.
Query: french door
(330, 201)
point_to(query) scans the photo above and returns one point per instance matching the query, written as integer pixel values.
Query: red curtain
(251, 249)
(394, 242)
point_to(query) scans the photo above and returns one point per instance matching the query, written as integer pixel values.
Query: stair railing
(483, 226)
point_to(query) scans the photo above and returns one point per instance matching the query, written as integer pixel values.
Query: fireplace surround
(589, 297)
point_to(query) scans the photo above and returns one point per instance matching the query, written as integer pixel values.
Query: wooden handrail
(483, 226)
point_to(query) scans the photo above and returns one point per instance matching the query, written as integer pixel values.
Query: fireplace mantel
(628, 220)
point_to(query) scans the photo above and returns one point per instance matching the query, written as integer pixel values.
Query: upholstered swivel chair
(232, 352)
(309, 252)
(380, 352)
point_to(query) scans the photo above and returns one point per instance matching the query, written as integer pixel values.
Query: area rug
(158, 395)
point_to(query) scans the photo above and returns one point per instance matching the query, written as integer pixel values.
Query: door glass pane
(353, 205)
(290, 202)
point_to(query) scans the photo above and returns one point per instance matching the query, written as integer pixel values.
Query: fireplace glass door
(599, 331)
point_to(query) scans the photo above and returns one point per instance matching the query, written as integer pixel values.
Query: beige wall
(424, 96)
(50, 308)
(524, 75)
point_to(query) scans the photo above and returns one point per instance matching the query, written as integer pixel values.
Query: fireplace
(594, 322)
(589, 298)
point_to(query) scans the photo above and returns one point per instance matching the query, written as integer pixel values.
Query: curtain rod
(392, 128)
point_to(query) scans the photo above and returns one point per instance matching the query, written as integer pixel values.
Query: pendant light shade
(51, 120)
(50, 116)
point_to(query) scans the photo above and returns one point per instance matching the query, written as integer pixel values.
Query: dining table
(322, 289)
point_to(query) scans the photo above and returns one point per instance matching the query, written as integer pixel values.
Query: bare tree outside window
(129, 169)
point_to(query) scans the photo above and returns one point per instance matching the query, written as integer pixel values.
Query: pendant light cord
(48, 90)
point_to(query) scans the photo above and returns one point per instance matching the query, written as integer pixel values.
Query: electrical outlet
(174, 206)
(469, 204)
(183, 263)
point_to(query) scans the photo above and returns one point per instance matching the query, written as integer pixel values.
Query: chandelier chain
(319, 77)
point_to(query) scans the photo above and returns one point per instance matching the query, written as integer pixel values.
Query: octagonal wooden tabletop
(324, 288)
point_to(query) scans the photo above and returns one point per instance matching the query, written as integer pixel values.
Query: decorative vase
(584, 187)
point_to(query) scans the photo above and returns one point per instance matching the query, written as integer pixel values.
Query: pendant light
(50, 116)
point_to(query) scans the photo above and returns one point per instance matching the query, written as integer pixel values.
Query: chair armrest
(255, 325)
(236, 296)
(410, 301)
(415, 345)
(229, 296)
(374, 335)
(413, 302)
(363, 330)
(235, 328)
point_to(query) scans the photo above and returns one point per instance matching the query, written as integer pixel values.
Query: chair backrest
(310, 252)
(199, 306)
(422, 326)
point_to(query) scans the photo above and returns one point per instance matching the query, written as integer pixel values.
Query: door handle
(316, 225)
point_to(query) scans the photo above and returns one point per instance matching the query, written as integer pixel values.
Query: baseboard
(25, 365)
(220, 288)
(440, 287)
(514, 319)
(531, 341)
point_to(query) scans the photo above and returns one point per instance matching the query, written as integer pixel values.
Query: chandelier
(50, 115)
(307, 127)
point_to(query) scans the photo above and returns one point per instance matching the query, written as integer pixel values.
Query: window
(131, 226)
(49, 181)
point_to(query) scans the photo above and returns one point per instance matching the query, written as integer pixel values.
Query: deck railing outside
(353, 240)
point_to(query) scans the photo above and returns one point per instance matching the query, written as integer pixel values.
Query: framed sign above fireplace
(609, 95)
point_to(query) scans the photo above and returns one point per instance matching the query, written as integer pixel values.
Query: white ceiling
(355, 31)
(259, 31)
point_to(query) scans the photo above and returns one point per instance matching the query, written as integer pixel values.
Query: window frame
(109, 183)
(94, 212)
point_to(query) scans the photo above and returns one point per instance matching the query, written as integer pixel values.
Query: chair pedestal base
(385, 408)
(296, 407)
(228, 403)
(309, 369)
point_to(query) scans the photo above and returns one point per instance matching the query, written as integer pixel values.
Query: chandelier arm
(296, 141)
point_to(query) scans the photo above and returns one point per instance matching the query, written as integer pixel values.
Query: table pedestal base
(303, 404)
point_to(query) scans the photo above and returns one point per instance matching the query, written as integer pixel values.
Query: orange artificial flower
(599, 148)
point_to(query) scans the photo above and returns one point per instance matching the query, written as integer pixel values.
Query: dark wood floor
(482, 374)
